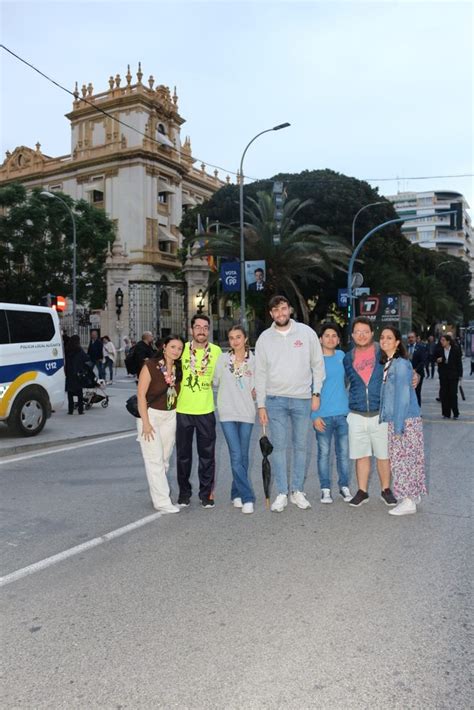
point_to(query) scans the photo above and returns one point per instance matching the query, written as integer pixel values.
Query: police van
(31, 366)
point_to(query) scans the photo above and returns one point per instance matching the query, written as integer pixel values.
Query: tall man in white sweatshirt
(289, 373)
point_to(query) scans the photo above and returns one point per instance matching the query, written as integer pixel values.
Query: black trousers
(70, 401)
(418, 389)
(448, 394)
(205, 427)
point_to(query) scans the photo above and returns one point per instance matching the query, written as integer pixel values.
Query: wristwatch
(316, 394)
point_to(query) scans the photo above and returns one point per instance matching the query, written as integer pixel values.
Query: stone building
(127, 157)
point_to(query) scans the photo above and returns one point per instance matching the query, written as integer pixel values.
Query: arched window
(164, 301)
(161, 129)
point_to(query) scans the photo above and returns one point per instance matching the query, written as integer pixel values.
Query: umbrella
(266, 447)
(463, 396)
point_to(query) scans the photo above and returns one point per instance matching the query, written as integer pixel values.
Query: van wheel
(29, 412)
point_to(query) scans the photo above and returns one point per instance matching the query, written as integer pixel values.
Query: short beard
(282, 325)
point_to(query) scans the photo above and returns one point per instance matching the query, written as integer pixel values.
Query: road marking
(79, 445)
(54, 559)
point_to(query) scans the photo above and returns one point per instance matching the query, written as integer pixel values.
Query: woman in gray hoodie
(235, 378)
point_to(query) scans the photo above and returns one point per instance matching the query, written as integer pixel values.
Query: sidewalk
(95, 423)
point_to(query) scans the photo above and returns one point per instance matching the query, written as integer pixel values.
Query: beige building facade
(128, 157)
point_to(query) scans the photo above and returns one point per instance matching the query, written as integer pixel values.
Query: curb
(12, 450)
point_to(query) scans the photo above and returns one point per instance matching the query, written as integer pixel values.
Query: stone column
(196, 274)
(117, 273)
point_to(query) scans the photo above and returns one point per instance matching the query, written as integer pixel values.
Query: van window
(4, 339)
(29, 327)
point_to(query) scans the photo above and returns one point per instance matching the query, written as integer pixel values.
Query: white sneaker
(299, 499)
(346, 494)
(168, 508)
(280, 503)
(247, 508)
(326, 495)
(407, 506)
(237, 502)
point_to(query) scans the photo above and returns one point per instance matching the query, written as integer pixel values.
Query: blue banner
(230, 276)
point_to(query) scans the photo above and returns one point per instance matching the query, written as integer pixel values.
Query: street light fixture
(53, 196)
(200, 302)
(118, 302)
(372, 204)
(243, 316)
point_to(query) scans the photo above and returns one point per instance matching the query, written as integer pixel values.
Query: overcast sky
(371, 89)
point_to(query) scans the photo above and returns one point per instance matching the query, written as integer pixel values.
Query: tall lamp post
(372, 204)
(243, 316)
(53, 196)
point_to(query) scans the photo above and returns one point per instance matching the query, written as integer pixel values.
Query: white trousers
(157, 453)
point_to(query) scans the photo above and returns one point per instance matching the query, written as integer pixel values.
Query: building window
(97, 197)
(164, 301)
(426, 236)
(162, 198)
(165, 247)
(161, 129)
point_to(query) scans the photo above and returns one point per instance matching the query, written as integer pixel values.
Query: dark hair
(73, 345)
(276, 300)
(330, 326)
(400, 351)
(106, 336)
(259, 269)
(200, 316)
(364, 321)
(178, 363)
(446, 337)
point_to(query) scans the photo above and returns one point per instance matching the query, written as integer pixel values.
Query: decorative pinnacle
(175, 97)
(84, 90)
(76, 91)
(128, 76)
(139, 73)
(111, 82)
(117, 80)
(90, 89)
(151, 81)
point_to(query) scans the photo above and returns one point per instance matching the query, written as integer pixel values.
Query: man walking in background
(289, 373)
(417, 354)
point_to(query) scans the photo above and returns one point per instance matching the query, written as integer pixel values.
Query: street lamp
(118, 302)
(200, 301)
(53, 196)
(243, 316)
(372, 204)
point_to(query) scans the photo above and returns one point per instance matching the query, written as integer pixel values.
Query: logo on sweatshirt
(298, 344)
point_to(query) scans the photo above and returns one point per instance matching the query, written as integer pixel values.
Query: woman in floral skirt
(399, 407)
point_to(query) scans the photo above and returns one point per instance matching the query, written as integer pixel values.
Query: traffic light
(456, 220)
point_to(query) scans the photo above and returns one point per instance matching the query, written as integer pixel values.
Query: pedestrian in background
(144, 350)
(330, 420)
(417, 355)
(431, 357)
(399, 408)
(75, 363)
(95, 352)
(110, 355)
(158, 388)
(235, 378)
(450, 372)
(195, 413)
(289, 374)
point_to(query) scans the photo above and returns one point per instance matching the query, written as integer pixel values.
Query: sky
(382, 91)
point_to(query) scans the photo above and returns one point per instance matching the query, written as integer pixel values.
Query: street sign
(342, 294)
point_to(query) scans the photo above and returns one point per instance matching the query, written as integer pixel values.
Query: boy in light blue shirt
(330, 419)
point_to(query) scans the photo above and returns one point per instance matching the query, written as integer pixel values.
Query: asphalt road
(333, 607)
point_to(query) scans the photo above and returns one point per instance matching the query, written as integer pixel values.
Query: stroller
(93, 389)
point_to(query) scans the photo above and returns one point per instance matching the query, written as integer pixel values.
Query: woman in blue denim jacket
(399, 407)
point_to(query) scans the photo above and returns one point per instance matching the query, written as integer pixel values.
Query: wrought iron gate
(159, 307)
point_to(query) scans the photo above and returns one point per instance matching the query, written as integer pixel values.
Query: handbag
(132, 406)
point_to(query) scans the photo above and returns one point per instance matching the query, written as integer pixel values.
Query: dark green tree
(304, 253)
(36, 247)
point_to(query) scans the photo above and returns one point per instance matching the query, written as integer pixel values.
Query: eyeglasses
(362, 332)
(200, 327)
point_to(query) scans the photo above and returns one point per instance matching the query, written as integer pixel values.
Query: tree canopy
(36, 251)
(388, 261)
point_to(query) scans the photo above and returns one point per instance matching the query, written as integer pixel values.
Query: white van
(31, 366)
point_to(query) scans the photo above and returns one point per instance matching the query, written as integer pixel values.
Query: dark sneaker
(359, 498)
(388, 497)
(207, 503)
(184, 502)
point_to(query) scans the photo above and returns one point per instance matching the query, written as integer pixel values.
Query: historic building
(436, 232)
(127, 157)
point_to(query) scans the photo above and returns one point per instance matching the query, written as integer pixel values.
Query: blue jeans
(109, 363)
(337, 427)
(282, 410)
(237, 436)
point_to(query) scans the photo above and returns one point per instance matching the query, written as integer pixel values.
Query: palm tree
(431, 302)
(303, 254)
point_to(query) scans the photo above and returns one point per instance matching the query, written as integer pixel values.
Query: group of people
(102, 354)
(294, 379)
